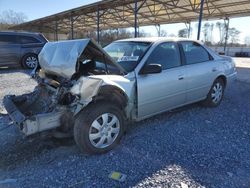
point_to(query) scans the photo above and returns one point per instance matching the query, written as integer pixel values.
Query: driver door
(163, 91)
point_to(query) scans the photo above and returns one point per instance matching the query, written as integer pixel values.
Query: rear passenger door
(162, 91)
(9, 49)
(30, 44)
(201, 70)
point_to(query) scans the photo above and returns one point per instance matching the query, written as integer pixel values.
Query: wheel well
(112, 94)
(24, 55)
(223, 78)
(29, 53)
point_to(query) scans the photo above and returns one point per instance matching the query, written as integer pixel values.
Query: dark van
(20, 48)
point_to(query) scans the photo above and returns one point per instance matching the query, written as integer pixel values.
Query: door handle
(180, 77)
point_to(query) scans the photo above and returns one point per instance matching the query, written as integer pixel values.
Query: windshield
(127, 53)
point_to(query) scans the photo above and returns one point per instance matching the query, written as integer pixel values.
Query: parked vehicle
(20, 48)
(93, 93)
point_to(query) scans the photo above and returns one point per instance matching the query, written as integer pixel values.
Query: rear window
(194, 52)
(8, 39)
(28, 40)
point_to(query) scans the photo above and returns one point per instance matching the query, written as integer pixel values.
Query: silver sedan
(93, 92)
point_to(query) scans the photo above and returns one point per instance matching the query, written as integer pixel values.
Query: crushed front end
(43, 109)
(66, 84)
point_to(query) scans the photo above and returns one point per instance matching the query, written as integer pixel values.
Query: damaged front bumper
(50, 106)
(30, 124)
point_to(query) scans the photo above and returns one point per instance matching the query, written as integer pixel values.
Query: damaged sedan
(94, 93)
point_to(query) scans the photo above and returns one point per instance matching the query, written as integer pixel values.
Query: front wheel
(215, 94)
(99, 128)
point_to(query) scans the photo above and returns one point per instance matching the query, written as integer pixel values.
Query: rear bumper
(31, 124)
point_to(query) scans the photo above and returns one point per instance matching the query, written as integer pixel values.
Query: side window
(194, 52)
(28, 40)
(166, 54)
(8, 39)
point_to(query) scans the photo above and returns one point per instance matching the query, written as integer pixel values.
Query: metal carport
(114, 14)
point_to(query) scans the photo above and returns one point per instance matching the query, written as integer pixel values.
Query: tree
(163, 33)
(190, 32)
(11, 17)
(247, 40)
(172, 35)
(211, 32)
(108, 36)
(205, 30)
(233, 35)
(183, 33)
(222, 30)
(142, 33)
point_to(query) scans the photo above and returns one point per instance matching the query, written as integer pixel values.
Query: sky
(40, 8)
(35, 9)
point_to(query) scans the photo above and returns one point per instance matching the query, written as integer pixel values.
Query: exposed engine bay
(45, 107)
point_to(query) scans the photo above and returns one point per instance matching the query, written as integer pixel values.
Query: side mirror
(151, 69)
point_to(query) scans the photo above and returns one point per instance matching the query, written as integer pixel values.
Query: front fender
(89, 87)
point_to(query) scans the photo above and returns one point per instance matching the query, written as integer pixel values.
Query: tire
(215, 94)
(30, 61)
(92, 134)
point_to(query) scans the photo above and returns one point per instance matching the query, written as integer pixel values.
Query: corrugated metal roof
(120, 14)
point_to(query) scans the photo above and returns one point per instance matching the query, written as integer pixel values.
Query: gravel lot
(193, 146)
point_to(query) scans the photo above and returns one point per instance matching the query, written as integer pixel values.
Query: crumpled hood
(60, 58)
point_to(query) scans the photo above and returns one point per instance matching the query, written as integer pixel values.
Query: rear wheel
(215, 94)
(99, 128)
(30, 61)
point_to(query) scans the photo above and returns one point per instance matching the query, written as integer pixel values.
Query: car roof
(155, 39)
(19, 33)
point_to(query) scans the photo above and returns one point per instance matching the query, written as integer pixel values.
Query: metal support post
(98, 26)
(135, 14)
(56, 32)
(72, 27)
(226, 21)
(200, 19)
(158, 28)
(189, 29)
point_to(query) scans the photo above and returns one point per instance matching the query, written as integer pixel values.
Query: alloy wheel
(217, 93)
(31, 62)
(104, 130)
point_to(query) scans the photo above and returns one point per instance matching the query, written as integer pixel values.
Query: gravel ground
(191, 146)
